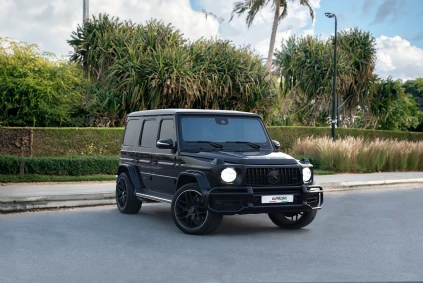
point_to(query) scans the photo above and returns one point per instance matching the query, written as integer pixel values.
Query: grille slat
(258, 176)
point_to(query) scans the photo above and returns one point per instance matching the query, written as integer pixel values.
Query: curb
(58, 201)
(347, 186)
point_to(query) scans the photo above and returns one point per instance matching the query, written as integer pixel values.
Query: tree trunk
(273, 39)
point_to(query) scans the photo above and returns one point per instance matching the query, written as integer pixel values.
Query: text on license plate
(277, 199)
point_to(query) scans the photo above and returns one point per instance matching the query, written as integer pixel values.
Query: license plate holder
(277, 199)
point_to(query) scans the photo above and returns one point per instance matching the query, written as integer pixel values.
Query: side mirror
(165, 144)
(276, 144)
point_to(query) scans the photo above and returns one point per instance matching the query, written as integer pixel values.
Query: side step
(147, 194)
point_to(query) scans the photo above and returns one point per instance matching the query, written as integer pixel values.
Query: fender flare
(133, 176)
(202, 181)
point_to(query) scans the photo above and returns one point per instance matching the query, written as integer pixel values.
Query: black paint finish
(161, 171)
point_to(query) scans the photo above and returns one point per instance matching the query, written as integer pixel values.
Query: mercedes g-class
(210, 163)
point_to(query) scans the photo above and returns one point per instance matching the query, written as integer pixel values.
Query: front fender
(201, 180)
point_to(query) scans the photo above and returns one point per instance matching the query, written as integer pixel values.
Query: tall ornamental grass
(360, 155)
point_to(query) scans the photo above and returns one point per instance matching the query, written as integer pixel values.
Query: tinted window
(167, 130)
(229, 131)
(148, 131)
(130, 132)
(221, 129)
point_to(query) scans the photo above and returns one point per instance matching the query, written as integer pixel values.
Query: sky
(397, 25)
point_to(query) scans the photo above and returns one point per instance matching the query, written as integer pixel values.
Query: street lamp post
(334, 118)
(85, 11)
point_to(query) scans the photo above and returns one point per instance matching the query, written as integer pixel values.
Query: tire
(190, 213)
(126, 200)
(292, 220)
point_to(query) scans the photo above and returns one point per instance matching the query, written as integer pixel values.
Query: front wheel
(190, 213)
(293, 220)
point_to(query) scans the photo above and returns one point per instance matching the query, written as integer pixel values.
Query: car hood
(247, 158)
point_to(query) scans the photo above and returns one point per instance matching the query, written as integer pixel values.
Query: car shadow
(252, 224)
(158, 215)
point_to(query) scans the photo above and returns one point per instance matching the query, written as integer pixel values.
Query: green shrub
(61, 141)
(60, 166)
(9, 165)
(37, 88)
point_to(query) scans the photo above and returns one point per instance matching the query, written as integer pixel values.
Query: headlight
(306, 175)
(228, 175)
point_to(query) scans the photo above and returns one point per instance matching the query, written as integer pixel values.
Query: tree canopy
(305, 67)
(134, 67)
(414, 87)
(37, 89)
(118, 67)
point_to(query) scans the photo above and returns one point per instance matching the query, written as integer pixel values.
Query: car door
(144, 150)
(165, 172)
(129, 142)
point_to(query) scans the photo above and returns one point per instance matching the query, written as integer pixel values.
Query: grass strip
(322, 172)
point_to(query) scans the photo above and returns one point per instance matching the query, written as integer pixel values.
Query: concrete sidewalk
(27, 196)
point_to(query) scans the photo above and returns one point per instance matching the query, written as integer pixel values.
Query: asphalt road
(357, 236)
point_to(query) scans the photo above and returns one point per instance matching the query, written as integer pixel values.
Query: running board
(154, 197)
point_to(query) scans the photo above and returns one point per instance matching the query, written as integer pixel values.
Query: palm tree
(360, 46)
(252, 7)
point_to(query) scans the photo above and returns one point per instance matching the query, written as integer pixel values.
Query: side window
(130, 132)
(147, 133)
(167, 131)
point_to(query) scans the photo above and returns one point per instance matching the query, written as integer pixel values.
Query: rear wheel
(293, 220)
(190, 213)
(126, 200)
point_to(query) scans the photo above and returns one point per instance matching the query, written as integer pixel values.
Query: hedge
(60, 141)
(107, 141)
(60, 166)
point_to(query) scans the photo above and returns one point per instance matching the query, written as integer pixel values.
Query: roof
(158, 112)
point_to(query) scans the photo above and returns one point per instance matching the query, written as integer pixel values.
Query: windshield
(223, 133)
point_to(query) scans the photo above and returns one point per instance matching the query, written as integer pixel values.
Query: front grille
(263, 176)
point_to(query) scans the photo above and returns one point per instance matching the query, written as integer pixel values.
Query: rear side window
(147, 133)
(130, 132)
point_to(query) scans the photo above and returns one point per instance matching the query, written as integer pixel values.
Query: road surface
(371, 235)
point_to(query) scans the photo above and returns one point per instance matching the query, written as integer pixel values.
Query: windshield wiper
(253, 145)
(216, 145)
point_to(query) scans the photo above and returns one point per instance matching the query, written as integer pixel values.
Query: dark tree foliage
(134, 67)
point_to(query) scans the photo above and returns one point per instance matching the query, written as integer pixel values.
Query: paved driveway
(357, 236)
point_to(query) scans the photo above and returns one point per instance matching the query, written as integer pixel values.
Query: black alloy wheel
(190, 213)
(121, 192)
(293, 220)
(126, 200)
(293, 216)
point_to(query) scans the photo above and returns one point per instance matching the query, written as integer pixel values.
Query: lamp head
(329, 15)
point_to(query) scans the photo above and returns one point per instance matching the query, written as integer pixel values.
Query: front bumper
(247, 200)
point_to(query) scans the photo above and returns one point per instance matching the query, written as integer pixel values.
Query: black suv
(210, 163)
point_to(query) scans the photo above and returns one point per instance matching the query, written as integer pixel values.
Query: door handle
(154, 162)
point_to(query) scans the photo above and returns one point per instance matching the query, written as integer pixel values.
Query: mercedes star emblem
(273, 176)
